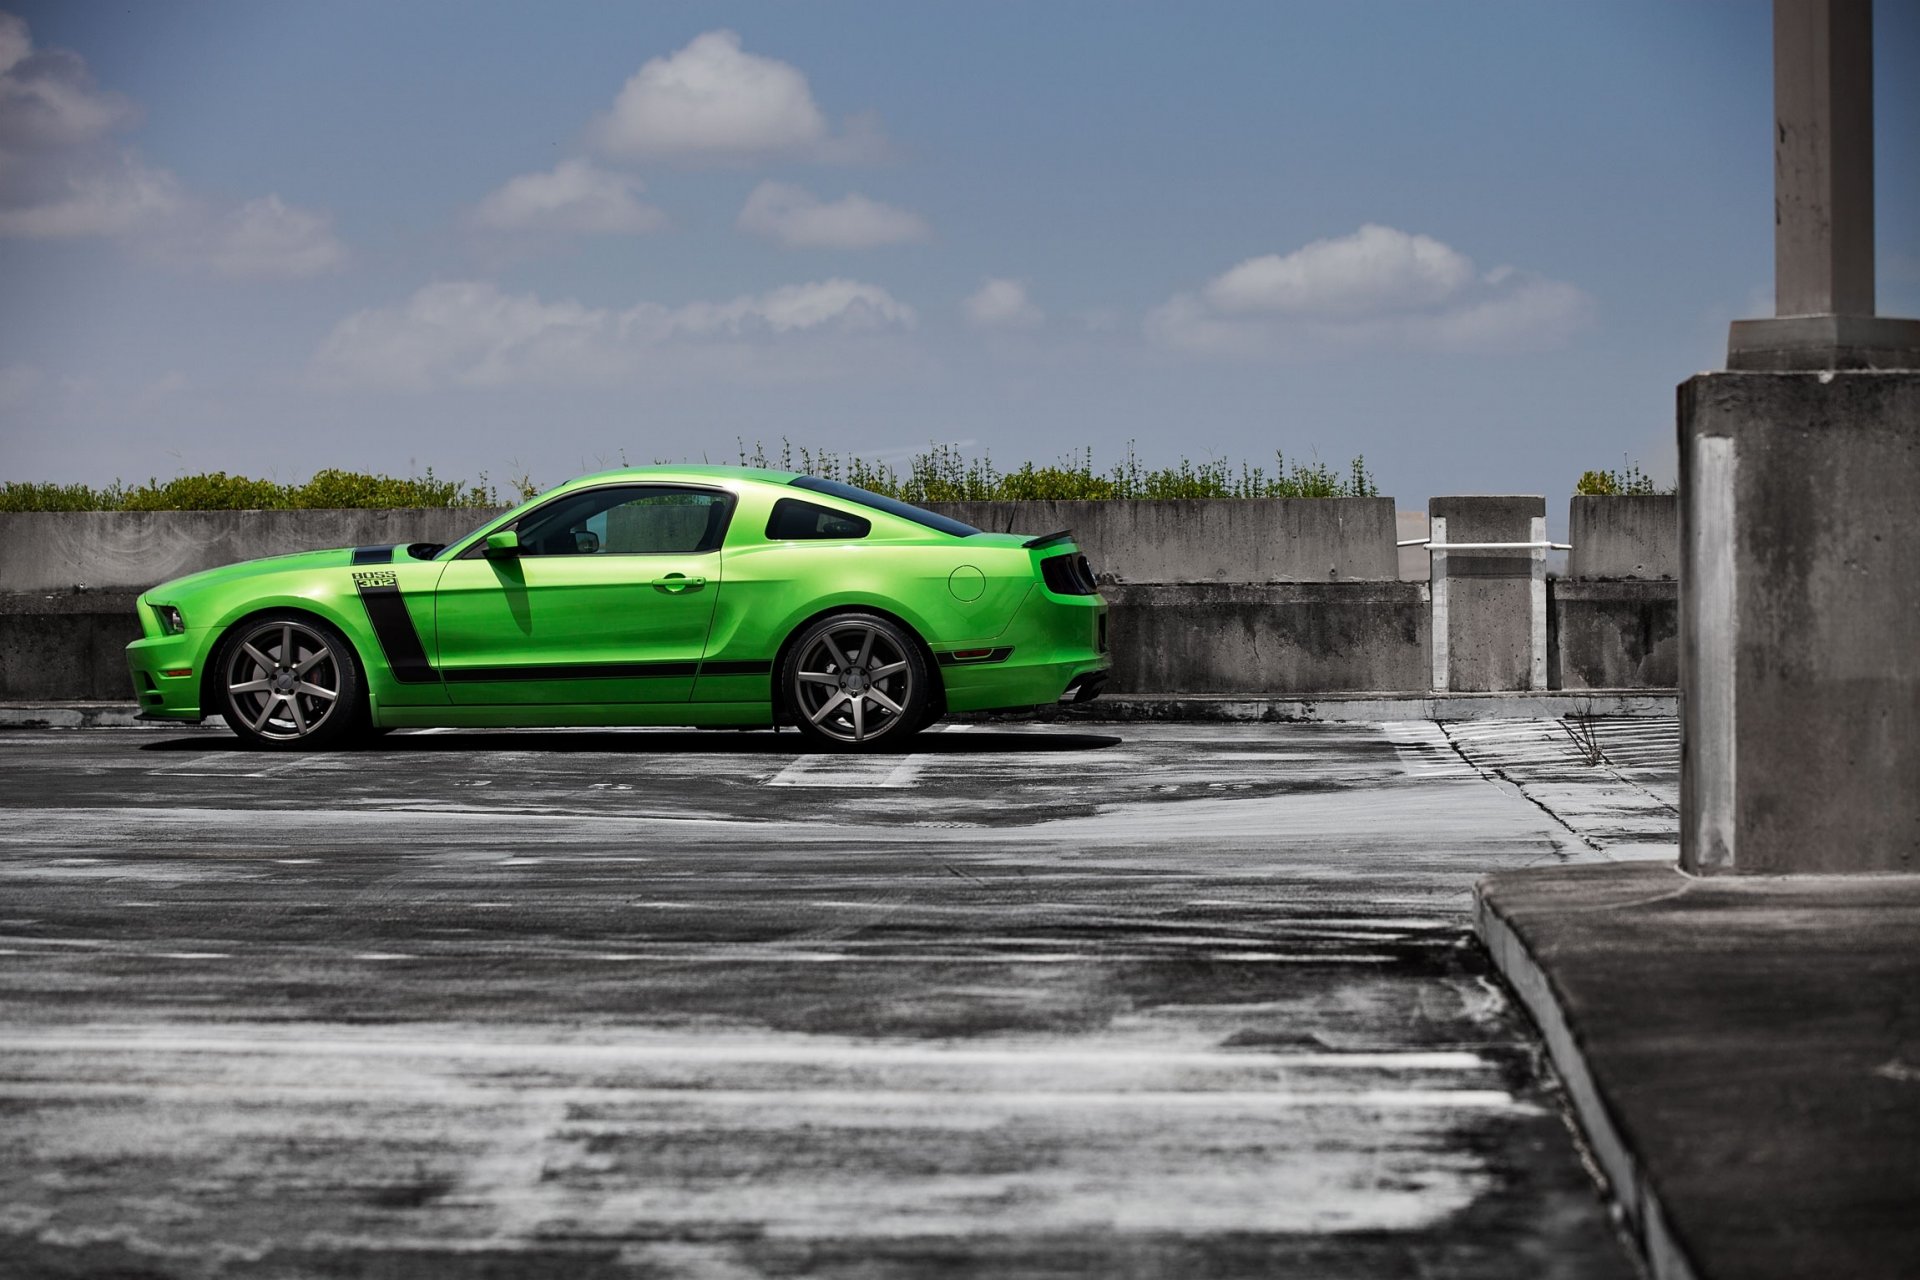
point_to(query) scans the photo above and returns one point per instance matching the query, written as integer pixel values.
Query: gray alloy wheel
(856, 682)
(286, 682)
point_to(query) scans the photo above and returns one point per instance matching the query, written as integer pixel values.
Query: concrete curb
(1337, 708)
(1632, 1194)
(85, 715)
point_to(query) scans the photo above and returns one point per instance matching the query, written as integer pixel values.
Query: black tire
(287, 682)
(856, 682)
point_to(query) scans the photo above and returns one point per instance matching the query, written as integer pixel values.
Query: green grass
(218, 491)
(941, 474)
(945, 474)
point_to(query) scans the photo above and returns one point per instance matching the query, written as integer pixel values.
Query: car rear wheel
(289, 683)
(856, 682)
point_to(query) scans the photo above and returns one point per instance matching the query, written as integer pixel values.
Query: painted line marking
(848, 771)
(863, 1100)
(851, 1055)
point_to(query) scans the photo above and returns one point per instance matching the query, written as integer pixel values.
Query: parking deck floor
(1036, 1000)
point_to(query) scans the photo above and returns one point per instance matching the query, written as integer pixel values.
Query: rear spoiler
(1034, 544)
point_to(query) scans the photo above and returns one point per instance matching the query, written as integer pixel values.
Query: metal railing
(1486, 546)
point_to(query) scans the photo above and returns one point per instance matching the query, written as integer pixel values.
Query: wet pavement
(1051, 1000)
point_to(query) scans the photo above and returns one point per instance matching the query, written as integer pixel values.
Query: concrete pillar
(1800, 514)
(1823, 202)
(1800, 622)
(1489, 605)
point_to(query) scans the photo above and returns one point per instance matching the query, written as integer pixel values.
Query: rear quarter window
(793, 521)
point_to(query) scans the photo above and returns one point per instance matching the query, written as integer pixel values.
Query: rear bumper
(1056, 648)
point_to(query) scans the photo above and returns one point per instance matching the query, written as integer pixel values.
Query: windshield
(905, 510)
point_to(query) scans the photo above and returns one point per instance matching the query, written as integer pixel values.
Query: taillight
(1068, 576)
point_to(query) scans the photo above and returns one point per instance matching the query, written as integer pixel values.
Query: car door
(607, 599)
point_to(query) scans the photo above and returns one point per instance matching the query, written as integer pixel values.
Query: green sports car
(648, 596)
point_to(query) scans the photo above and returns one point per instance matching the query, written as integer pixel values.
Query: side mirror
(504, 545)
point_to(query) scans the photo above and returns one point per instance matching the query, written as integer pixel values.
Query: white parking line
(848, 771)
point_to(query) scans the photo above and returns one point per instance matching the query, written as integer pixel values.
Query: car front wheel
(289, 683)
(856, 682)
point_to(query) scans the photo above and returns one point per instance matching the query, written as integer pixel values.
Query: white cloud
(712, 101)
(1002, 304)
(797, 218)
(472, 334)
(1378, 288)
(1373, 270)
(47, 97)
(61, 177)
(110, 196)
(268, 239)
(575, 198)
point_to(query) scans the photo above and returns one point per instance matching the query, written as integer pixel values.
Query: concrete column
(1490, 609)
(1823, 157)
(1800, 622)
(1823, 202)
(1440, 623)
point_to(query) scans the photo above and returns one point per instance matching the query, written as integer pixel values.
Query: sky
(1478, 243)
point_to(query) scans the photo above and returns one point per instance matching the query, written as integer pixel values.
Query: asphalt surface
(1144, 1000)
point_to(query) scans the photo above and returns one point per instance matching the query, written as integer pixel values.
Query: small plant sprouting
(1629, 481)
(944, 473)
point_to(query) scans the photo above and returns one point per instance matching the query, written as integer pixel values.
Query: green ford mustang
(647, 596)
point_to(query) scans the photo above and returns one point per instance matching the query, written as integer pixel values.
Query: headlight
(170, 620)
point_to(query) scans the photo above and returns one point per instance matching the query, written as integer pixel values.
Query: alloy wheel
(855, 681)
(284, 681)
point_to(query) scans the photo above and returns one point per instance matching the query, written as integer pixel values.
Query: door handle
(676, 583)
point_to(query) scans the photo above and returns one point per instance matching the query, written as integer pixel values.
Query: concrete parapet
(1800, 622)
(66, 645)
(1624, 536)
(133, 550)
(1613, 635)
(1268, 639)
(1489, 606)
(1212, 540)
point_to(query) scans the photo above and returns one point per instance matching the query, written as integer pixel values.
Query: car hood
(229, 573)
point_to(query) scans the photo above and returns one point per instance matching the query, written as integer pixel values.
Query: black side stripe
(373, 555)
(992, 655)
(582, 671)
(394, 627)
(736, 668)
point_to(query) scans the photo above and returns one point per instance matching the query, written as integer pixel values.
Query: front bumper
(166, 675)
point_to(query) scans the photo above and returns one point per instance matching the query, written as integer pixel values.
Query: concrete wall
(1613, 635)
(1212, 540)
(1255, 540)
(133, 550)
(1800, 620)
(69, 645)
(1615, 617)
(1268, 639)
(1283, 597)
(1486, 600)
(1616, 538)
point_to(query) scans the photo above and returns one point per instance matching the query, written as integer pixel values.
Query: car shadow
(659, 742)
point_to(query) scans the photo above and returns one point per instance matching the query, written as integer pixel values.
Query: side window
(626, 521)
(793, 519)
